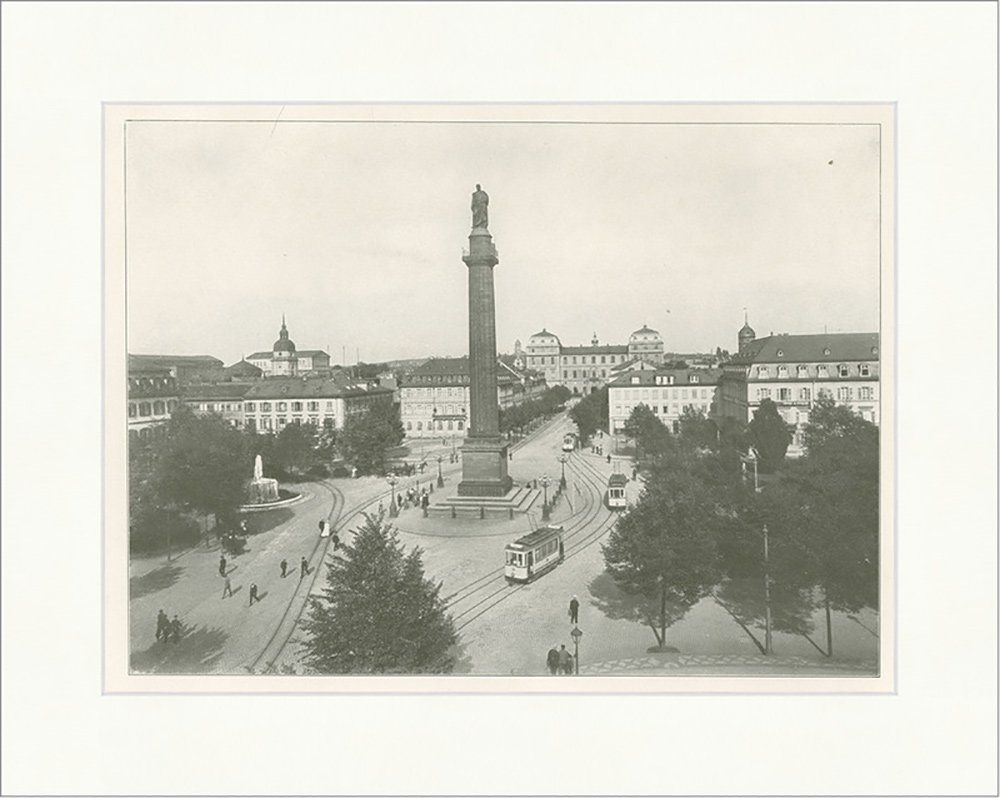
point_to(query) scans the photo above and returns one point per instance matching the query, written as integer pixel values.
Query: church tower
(746, 335)
(283, 358)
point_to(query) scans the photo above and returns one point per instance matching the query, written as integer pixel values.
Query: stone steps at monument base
(518, 501)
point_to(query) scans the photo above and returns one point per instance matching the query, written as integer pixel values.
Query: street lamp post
(577, 634)
(440, 477)
(767, 597)
(562, 479)
(392, 480)
(545, 498)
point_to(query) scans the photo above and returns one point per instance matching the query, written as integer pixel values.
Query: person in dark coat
(565, 661)
(222, 565)
(162, 625)
(303, 568)
(284, 568)
(574, 610)
(253, 594)
(175, 630)
(552, 661)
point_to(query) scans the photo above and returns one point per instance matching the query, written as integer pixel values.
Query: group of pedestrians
(255, 596)
(559, 661)
(411, 497)
(167, 628)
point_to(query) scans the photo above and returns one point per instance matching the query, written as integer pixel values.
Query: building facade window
(804, 394)
(844, 394)
(865, 370)
(131, 410)
(865, 393)
(843, 371)
(265, 407)
(784, 394)
(296, 407)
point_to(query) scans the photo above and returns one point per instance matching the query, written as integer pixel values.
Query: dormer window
(827, 351)
(762, 372)
(670, 380)
(843, 371)
(803, 372)
(781, 353)
(693, 378)
(782, 372)
(634, 380)
(821, 371)
(865, 370)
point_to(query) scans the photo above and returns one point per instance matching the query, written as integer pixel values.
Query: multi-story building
(152, 397)
(223, 399)
(434, 398)
(794, 371)
(270, 405)
(585, 369)
(185, 369)
(284, 360)
(667, 392)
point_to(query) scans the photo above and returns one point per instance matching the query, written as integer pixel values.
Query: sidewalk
(728, 664)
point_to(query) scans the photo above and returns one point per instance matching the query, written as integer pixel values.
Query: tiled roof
(545, 332)
(260, 356)
(300, 388)
(681, 377)
(644, 330)
(443, 365)
(168, 361)
(221, 390)
(312, 352)
(605, 349)
(242, 367)
(811, 348)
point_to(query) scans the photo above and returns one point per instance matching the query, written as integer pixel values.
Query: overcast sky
(355, 232)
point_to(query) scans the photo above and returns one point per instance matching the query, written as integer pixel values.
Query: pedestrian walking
(175, 630)
(222, 565)
(336, 541)
(162, 625)
(253, 593)
(322, 527)
(303, 568)
(552, 661)
(284, 568)
(609, 459)
(565, 661)
(227, 588)
(574, 610)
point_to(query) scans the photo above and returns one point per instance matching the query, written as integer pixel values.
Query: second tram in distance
(614, 496)
(569, 442)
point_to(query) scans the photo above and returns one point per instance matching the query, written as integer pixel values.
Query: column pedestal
(484, 468)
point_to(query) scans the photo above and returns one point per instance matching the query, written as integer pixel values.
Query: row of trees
(699, 530)
(201, 466)
(590, 414)
(517, 417)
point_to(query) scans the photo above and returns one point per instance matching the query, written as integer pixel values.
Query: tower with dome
(285, 360)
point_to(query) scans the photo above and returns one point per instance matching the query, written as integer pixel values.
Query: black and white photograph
(526, 391)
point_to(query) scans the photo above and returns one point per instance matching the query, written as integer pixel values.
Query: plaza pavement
(512, 637)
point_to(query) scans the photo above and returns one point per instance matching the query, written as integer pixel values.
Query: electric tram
(569, 442)
(533, 554)
(615, 494)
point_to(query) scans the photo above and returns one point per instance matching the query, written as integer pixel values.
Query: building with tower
(285, 360)
(793, 371)
(746, 335)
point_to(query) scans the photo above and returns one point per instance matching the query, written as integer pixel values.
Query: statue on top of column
(480, 201)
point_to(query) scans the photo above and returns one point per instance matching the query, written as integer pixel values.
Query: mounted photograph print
(498, 398)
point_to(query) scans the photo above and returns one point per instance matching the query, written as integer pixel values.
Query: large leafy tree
(652, 438)
(590, 414)
(697, 431)
(202, 464)
(294, 448)
(378, 613)
(663, 555)
(367, 437)
(769, 435)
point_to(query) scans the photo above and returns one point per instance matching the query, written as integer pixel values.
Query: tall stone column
(484, 454)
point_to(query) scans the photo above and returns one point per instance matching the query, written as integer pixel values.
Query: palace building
(329, 403)
(585, 369)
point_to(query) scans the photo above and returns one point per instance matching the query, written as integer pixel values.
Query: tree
(828, 420)
(646, 429)
(378, 613)
(590, 414)
(202, 464)
(697, 431)
(662, 555)
(367, 437)
(294, 449)
(769, 435)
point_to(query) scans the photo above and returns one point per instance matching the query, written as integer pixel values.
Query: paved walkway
(667, 664)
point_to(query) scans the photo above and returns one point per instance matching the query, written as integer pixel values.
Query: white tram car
(534, 554)
(615, 495)
(569, 442)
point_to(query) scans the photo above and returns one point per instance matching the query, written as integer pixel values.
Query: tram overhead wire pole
(545, 498)
(562, 479)
(393, 510)
(440, 477)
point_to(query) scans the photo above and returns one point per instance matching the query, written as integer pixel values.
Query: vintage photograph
(576, 393)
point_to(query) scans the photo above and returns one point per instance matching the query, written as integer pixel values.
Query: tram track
(289, 621)
(581, 538)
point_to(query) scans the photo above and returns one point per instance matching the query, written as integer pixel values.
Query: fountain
(262, 490)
